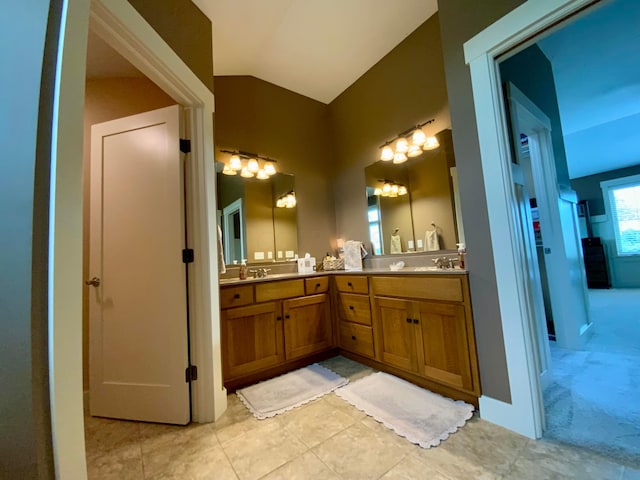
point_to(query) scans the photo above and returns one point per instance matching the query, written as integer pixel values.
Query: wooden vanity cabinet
(353, 310)
(275, 324)
(430, 334)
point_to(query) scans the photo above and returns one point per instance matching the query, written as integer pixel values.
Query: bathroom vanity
(411, 323)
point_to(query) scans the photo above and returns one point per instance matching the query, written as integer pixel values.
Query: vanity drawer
(354, 308)
(435, 287)
(316, 285)
(236, 296)
(267, 291)
(352, 283)
(356, 338)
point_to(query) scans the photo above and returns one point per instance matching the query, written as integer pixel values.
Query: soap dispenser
(242, 273)
(462, 250)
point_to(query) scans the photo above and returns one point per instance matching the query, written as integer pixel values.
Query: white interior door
(138, 324)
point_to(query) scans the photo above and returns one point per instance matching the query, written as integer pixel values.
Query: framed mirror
(253, 227)
(418, 211)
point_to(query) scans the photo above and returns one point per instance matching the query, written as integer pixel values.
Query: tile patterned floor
(323, 440)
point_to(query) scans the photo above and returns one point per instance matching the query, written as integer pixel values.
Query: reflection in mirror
(252, 226)
(423, 219)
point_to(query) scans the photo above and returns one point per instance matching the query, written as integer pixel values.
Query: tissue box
(307, 265)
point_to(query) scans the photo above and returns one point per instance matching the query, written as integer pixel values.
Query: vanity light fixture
(390, 189)
(409, 143)
(249, 165)
(288, 200)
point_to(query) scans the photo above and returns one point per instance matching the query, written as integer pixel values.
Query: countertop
(365, 271)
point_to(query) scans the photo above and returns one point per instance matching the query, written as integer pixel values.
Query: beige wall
(405, 88)
(258, 117)
(108, 99)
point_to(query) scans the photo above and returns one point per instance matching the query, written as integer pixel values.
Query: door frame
(511, 33)
(122, 27)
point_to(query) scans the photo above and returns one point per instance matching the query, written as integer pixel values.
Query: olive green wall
(404, 88)
(256, 116)
(460, 20)
(187, 31)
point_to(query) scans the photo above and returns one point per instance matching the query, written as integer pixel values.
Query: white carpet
(422, 417)
(277, 395)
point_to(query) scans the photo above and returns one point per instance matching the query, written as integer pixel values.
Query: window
(622, 197)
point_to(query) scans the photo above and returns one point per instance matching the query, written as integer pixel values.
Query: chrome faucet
(445, 262)
(260, 272)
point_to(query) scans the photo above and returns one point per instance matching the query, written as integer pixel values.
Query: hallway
(593, 400)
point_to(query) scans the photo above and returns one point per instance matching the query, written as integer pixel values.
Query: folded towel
(431, 241)
(221, 266)
(396, 244)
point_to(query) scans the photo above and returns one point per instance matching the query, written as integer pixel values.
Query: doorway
(515, 30)
(126, 31)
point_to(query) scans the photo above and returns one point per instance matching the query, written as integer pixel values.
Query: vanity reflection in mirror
(411, 205)
(253, 226)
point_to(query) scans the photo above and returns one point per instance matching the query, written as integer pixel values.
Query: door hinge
(191, 373)
(187, 255)
(185, 145)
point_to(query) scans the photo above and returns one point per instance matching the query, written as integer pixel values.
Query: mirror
(424, 218)
(252, 226)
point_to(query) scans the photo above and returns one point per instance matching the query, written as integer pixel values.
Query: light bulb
(252, 165)
(399, 158)
(414, 151)
(418, 138)
(280, 203)
(246, 173)
(269, 168)
(402, 145)
(431, 143)
(394, 190)
(402, 190)
(386, 189)
(235, 162)
(262, 174)
(387, 154)
(227, 170)
(377, 192)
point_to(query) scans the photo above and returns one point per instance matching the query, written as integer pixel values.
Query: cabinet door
(307, 325)
(252, 338)
(397, 344)
(442, 345)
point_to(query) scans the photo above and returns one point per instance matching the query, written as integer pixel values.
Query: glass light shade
(386, 189)
(402, 190)
(387, 154)
(246, 173)
(280, 203)
(394, 190)
(377, 192)
(290, 200)
(262, 174)
(418, 138)
(431, 143)
(252, 165)
(414, 151)
(399, 158)
(227, 170)
(235, 162)
(402, 146)
(269, 168)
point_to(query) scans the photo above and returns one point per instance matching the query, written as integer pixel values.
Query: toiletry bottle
(242, 273)
(461, 252)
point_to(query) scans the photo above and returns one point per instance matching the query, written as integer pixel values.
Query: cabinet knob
(349, 284)
(416, 321)
(351, 307)
(317, 285)
(353, 337)
(408, 320)
(278, 317)
(287, 316)
(237, 295)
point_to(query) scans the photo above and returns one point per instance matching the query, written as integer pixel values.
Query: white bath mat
(279, 394)
(421, 416)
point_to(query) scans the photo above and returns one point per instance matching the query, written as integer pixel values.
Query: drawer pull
(416, 321)
(353, 337)
(349, 284)
(236, 295)
(317, 285)
(351, 307)
(287, 316)
(278, 317)
(408, 320)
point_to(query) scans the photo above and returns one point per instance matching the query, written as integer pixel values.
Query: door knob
(94, 282)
